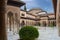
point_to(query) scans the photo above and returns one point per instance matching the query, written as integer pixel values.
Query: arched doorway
(22, 23)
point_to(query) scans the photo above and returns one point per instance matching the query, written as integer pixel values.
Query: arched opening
(54, 23)
(44, 23)
(10, 19)
(23, 23)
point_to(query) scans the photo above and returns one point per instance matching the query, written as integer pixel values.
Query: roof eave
(16, 3)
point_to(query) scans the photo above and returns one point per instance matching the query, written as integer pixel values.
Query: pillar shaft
(2, 20)
(58, 16)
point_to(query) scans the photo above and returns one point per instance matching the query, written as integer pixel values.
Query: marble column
(58, 16)
(2, 19)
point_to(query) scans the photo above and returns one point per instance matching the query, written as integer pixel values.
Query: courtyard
(45, 33)
(44, 13)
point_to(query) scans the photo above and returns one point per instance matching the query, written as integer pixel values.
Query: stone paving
(45, 33)
(48, 33)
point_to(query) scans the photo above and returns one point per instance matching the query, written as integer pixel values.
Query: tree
(3, 4)
(25, 9)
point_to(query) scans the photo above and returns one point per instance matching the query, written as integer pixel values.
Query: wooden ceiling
(15, 3)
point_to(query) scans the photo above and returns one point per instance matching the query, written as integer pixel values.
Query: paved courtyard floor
(45, 33)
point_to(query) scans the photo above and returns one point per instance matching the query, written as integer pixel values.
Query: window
(23, 15)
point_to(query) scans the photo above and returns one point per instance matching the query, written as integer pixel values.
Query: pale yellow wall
(22, 20)
(30, 16)
(26, 15)
(27, 21)
(44, 18)
(52, 16)
(22, 12)
(32, 22)
(35, 11)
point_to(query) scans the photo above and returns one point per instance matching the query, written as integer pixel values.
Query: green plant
(28, 33)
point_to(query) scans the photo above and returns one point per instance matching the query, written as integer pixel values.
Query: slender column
(58, 16)
(13, 23)
(10, 23)
(2, 19)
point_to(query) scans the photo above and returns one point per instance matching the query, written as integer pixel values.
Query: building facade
(52, 20)
(12, 15)
(26, 18)
(32, 18)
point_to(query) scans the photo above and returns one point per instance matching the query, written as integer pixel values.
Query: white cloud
(28, 9)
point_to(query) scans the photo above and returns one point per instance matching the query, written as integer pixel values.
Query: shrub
(28, 33)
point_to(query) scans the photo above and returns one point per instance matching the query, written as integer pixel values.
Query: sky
(45, 5)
